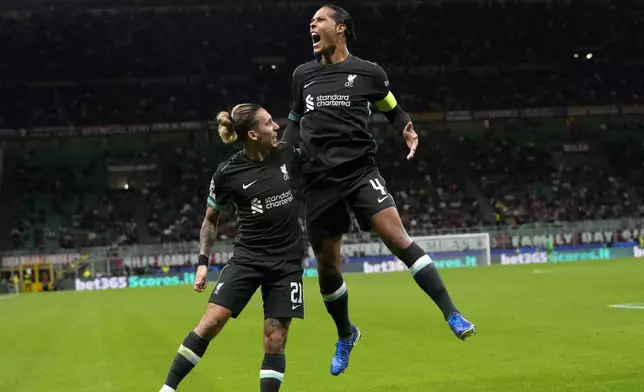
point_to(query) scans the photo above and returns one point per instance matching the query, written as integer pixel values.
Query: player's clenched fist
(201, 280)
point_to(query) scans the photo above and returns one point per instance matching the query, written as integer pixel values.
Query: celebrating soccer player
(268, 249)
(331, 105)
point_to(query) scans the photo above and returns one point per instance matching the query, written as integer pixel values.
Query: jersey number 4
(296, 292)
(375, 183)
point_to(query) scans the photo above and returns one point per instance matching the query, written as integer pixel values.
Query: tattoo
(281, 325)
(207, 237)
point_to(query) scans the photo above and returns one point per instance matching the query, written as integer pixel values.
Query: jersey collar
(323, 66)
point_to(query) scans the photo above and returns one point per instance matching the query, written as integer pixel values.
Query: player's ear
(340, 28)
(252, 135)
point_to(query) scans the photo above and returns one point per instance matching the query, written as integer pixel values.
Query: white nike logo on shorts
(295, 307)
(245, 186)
(383, 199)
(308, 84)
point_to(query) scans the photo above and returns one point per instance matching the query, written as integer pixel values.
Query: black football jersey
(261, 196)
(332, 104)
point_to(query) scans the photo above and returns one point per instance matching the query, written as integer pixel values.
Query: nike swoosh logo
(245, 186)
(308, 84)
(383, 199)
(295, 307)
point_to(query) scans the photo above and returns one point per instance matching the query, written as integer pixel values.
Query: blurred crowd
(66, 205)
(67, 66)
(458, 180)
(535, 181)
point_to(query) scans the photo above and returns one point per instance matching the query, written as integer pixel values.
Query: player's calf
(273, 368)
(332, 287)
(389, 227)
(194, 346)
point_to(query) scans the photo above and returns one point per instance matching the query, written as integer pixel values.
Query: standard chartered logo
(278, 200)
(333, 100)
(256, 206)
(309, 103)
(326, 100)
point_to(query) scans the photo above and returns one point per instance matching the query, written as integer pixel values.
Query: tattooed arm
(208, 233)
(207, 237)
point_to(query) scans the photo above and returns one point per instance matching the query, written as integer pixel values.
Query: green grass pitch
(549, 330)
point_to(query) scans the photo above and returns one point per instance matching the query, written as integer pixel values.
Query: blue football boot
(460, 326)
(343, 348)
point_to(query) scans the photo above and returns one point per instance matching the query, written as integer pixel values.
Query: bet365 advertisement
(134, 281)
(379, 264)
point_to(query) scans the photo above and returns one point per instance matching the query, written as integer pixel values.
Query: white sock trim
(419, 264)
(271, 374)
(166, 388)
(336, 294)
(189, 354)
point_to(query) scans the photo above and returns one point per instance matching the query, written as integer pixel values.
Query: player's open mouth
(315, 37)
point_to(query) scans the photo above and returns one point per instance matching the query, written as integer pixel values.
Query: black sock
(427, 277)
(189, 354)
(272, 373)
(336, 299)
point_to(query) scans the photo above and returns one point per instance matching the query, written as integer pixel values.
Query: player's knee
(390, 229)
(275, 334)
(275, 341)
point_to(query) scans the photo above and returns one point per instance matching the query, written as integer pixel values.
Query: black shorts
(331, 197)
(281, 285)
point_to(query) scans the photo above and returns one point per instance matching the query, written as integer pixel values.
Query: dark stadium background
(531, 124)
(530, 118)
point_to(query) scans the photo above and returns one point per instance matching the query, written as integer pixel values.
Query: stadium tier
(128, 189)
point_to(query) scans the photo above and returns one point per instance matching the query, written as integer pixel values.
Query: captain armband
(387, 103)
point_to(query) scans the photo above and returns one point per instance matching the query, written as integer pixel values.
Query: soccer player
(268, 247)
(332, 95)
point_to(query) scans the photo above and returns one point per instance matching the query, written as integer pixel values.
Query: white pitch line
(8, 296)
(627, 306)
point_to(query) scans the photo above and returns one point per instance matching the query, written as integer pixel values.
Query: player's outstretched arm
(207, 237)
(387, 104)
(399, 119)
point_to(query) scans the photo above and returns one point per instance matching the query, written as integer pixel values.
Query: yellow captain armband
(387, 103)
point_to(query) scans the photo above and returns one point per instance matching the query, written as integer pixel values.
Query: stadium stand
(111, 66)
(98, 67)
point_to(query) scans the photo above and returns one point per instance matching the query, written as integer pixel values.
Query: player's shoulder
(226, 168)
(366, 65)
(285, 149)
(283, 146)
(305, 68)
